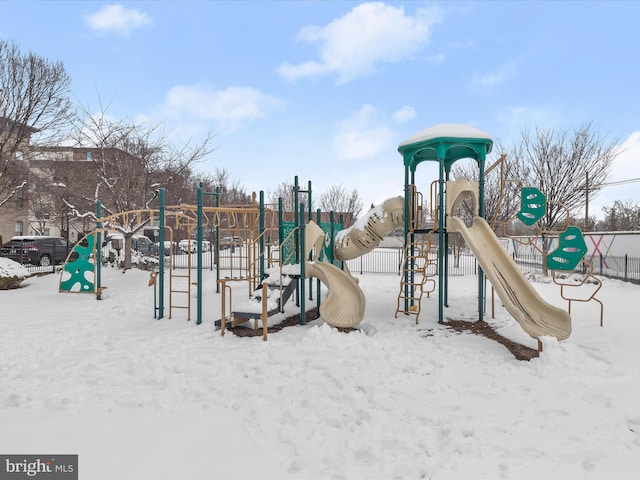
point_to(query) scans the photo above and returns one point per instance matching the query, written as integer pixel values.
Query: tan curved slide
(364, 235)
(536, 316)
(345, 303)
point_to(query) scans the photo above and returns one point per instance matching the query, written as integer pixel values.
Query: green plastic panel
(78, 274)
(288, 247)
(533, 205)
(571, 249)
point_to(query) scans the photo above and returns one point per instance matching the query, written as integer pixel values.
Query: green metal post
(161, 256)
(304, 223)
(98, 250)
(332, 255)
(441, 209)
(407, 199)
(199, 255)
(303, 311)
(261, 228)
(481, 214)
(280, 227)
(217, 241)
(318, 258)
(446, 252)
(296, 220)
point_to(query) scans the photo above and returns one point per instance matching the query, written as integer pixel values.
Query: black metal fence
(389, 260)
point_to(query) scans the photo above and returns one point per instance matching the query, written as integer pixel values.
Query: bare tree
(231, 191)
(338, 199)
(622, 216)
(130, 162)
(33, 102)
(564, 166)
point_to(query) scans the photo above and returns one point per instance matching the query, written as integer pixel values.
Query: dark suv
(37, 250)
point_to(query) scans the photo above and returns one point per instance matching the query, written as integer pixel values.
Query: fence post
(600, 264)
(626, 264)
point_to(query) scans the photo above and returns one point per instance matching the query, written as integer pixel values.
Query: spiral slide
(535, 316)
(344, 305)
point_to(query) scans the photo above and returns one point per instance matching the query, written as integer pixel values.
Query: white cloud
(405, 114)
(117, 19)
(230, 109)
(362, 136)
(370, 34)
(502, 74)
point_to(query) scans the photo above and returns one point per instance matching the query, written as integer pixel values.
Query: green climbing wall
(78, 274)
(571, 249)
(533, 205)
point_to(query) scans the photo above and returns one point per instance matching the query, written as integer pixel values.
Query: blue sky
(326, 90)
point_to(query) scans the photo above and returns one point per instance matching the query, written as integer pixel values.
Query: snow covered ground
(139, 398)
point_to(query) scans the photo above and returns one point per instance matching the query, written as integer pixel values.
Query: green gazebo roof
(447, 143)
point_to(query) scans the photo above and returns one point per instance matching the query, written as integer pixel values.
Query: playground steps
(415, 280)
(252, 309)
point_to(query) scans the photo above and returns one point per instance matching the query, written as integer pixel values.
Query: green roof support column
(407, 199)
(445, 273)
(441, 209)
(481, 214)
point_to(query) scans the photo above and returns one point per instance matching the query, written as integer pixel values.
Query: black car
(37, 250)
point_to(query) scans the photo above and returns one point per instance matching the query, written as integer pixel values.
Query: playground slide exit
(536, 316)
(344, 305)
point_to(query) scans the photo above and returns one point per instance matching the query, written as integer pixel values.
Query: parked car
(168, 247)
(188, 246)
(139, 243)
(228, 242)
(37, 249)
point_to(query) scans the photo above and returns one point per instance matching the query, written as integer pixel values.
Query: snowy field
(139, 398)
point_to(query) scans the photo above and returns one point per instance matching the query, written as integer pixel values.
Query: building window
(19, 226)
(89, 157)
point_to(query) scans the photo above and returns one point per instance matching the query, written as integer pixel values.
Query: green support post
(98, 251)
(407, 194)
(199, 255)
(217, 242)
(319, 258)
(261, 243)
(441, 209)
(161, 256)
(481, 182)
(445, 272)
(302, 256)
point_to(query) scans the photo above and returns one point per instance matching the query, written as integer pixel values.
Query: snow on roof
(446, 130)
